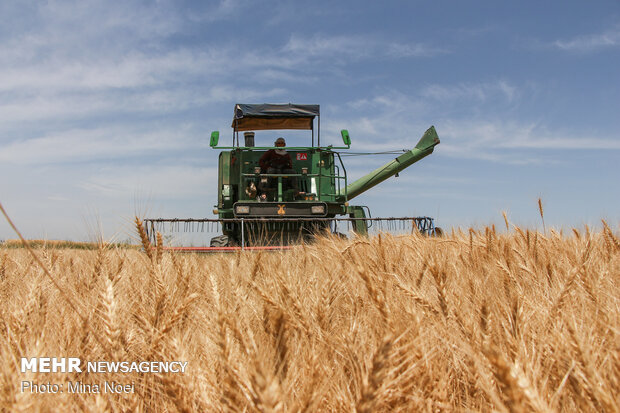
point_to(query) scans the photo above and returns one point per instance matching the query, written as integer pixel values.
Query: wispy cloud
(88, 145)
(505, 140)
(326, 46)
(223, 10)
(356, 47)
(488, 134)
(472, 91)
(90, 27)
(400, 50)
(590, 42)
(125, 70)
(157, 180)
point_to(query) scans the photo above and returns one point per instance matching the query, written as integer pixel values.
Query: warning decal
(302, 156)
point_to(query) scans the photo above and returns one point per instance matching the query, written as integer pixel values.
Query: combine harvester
(260, 209)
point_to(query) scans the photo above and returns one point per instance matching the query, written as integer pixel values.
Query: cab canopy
(268, 116)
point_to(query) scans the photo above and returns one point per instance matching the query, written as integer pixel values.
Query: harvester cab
(305, 190)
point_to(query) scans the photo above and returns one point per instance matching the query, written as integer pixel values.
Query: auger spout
(424, 148)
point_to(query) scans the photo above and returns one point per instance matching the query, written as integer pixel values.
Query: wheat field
(477, 320)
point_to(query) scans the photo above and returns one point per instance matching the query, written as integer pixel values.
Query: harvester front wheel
(438, 232)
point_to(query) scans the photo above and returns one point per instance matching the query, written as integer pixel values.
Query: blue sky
(106, 107)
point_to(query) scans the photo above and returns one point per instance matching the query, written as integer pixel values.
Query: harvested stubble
(475, 321)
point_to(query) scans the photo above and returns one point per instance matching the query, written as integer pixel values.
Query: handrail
(337, 177)
(279, 147)
(345, 177)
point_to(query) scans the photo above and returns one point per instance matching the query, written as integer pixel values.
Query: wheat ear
(146, 244)
(372, 383)
(542, 214)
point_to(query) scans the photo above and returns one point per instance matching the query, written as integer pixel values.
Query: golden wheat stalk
(146, 244)
(542, 214)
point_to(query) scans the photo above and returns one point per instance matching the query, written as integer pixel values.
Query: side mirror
(215, 138)
(345, 137)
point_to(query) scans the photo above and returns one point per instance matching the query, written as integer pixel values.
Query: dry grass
(475, 321)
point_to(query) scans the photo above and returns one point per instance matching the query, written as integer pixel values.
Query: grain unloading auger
(261, 207)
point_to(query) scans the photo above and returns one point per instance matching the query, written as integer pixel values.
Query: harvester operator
(277, 161)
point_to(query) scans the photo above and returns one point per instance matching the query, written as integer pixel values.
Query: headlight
(242, 209)
(318, 209)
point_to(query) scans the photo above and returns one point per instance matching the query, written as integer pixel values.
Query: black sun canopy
(268, 116)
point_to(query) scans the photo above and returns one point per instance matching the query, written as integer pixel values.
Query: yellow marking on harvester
(281, 210)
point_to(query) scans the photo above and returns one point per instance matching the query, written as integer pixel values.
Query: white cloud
(591, 42)
(129, 70)
(226, 93)
(327, 46)
(471, 91)
(83, 145)
(283, 76)
(349, 47)
(496, 136)
(73, 106)
(128, 18)
(225, 9)
(495, 139)
(412, 50)
(160, 181)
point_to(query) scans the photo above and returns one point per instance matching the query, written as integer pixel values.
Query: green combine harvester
(259, 206)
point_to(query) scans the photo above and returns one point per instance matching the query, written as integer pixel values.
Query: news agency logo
(75, 365)
(51, 365)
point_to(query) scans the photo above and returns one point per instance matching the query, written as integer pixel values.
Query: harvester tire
(438, 232)
(220, 241)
